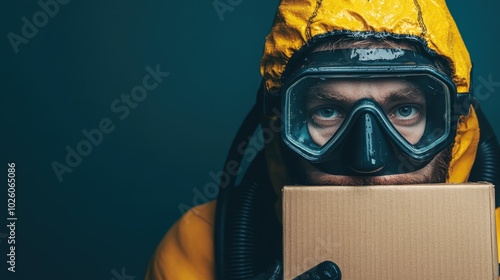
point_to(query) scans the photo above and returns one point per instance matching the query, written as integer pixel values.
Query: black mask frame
(372, 62)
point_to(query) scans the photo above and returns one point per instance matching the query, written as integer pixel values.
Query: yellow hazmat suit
(186, 252)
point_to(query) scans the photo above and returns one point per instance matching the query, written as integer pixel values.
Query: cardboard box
(438, 231)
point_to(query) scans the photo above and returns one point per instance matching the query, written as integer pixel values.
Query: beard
(436, 171)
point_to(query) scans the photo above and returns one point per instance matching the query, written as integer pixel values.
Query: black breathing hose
(221, 244)
(241, 233)
(249, 225)
(487, 163)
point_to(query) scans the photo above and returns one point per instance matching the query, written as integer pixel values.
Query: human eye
(406, 114)
(327, 113)
(325, 116)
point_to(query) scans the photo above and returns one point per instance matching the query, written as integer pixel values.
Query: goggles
(371, 108)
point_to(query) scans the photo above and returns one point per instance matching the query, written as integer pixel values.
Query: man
(355, 92)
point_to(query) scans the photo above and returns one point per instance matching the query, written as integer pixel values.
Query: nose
(367, 149)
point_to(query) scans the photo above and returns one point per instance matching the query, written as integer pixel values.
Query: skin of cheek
(319, 137)
(414, 133)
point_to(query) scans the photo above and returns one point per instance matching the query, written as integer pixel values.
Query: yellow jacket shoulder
(186, 251)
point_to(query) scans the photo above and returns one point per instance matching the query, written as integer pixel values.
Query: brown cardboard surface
(438, 231)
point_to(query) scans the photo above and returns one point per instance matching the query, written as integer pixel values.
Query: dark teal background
(111, 211)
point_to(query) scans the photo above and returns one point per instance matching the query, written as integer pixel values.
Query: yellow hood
(299, 22)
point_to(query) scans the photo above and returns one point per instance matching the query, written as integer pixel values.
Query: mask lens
(413, 110)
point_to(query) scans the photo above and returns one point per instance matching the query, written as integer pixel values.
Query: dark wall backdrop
(106, 213)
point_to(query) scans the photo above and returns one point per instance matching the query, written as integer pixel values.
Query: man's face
(327, 105)
(404, 104)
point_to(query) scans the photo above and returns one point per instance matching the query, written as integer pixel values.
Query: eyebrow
(318, 94)
(413, 93)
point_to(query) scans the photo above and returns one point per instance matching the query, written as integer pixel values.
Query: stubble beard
(436, 171)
